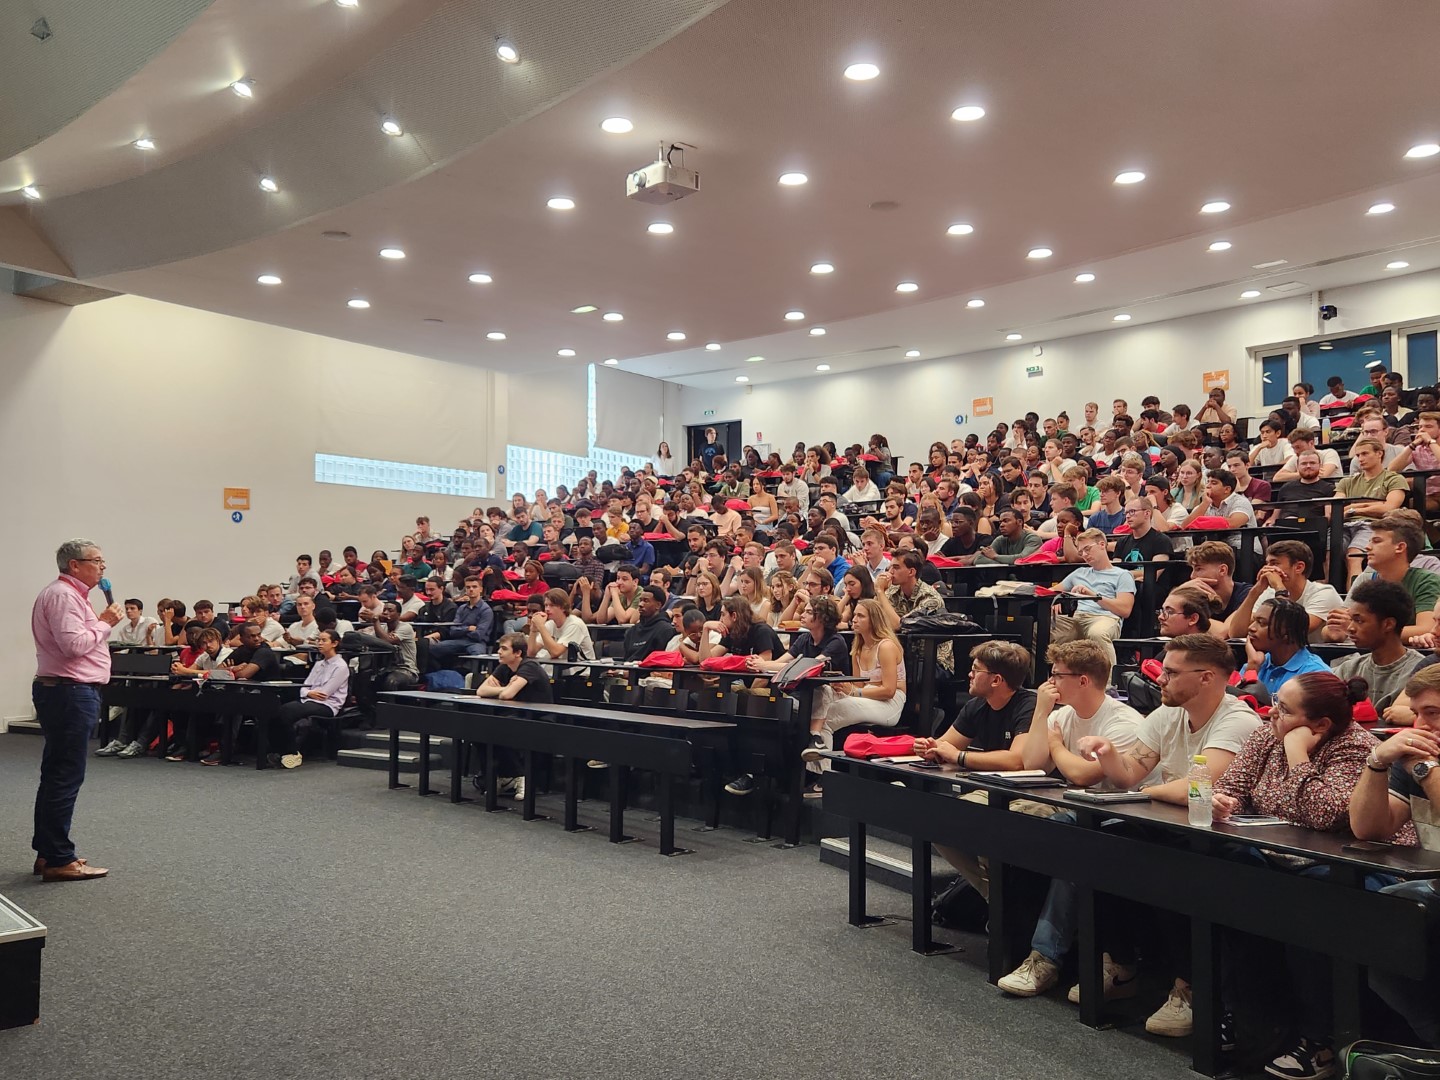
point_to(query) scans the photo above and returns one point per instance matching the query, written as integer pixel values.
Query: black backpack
(1370, 1060)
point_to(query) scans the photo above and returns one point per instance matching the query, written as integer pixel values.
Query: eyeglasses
(977, 670)
(1167, 613)
(1065, 675)
(1169, 673)
(96, 559)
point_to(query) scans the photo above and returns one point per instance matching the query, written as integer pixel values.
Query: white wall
(914, 404)
(122, 421)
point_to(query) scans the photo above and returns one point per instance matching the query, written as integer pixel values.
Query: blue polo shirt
(1273, 676)
(642, 553)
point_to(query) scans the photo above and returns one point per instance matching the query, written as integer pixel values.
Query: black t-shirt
(995, 729)
(954, 548)
(1136, 548)
(262, 657)
(760, 639)
(537, 683)
(1294, 490)
(832, 649)
(444, 612)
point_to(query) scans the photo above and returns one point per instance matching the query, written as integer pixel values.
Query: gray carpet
(314, 924)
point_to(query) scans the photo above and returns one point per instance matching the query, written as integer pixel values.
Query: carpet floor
(313, 924)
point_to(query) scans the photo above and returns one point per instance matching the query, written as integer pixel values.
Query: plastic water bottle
(1202, 793)
(1325, 430)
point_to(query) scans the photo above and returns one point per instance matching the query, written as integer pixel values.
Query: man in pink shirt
(72, 657)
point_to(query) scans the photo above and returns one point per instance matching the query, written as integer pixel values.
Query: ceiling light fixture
(817, 331)
(392, 253)
(484, 279)
(268, 184)
(357, 303)
(822, 367)
(1423, 150)
(675, 335)
(583, 309)
(742, 378)
(1039, 253)
(1381, 208)
(967, 113)
(613, 316)
(1326, 346)
(30, 191)
(712, 346)
(506, 51)
(1084, 279)
(244, 88)
(660, 228)
(616, 125)
(911, 354)
(1013, 337)
(960, 228)
(560, 203)
(753, 359)
(347, 3)
(822, 268)
(565, 352)
(1218, 206)
(1398, 264)
(861, 72)
(496, 335)
(1249, 294)
(794, 316)
(1219, 245)
(907, 287)
(391, 127)
(976, 302)
(144, 143)
(1122, 317)
(268, 279)
(793, 179)
(611, 362)
(1129, 176)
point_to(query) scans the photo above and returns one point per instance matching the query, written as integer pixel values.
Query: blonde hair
(879, 629)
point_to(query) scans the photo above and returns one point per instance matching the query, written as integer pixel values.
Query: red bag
(1210, 523)
(726, 663)
(943, 561)
(512, 575)
(1046, 557)
(1364, 712)
(862, 745)
(738, 505)
(506, 594)
(664, 660)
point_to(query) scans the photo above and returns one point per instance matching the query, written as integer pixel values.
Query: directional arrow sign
(237, 498)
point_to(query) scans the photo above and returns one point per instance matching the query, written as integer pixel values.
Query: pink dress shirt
(70, 640)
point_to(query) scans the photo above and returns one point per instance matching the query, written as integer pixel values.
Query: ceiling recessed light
(794, 179)
(1084, 279)
(822, 367)
(1129, 176)
(861, 72)
(675, 335)
(1218, 206)
(1326, 346)
(975, 302)
(145, 143)
(1423, 150)
(1398, 264)
(1269, 265)
(391, 127)
(484, 279)
(1249, 294)
(392, 253)
(269, 279)
(1039, 253)
(565, 352)
(911, 354)
(1013, 337)
(611, 362)
(1219, 245)
(907, 286)
(794, 316)
(817, 331)
(583, 309)
(244, 88)
(560, 203)
(713, 346)
(357, 304)
(30, 191)
(967, 113)
(1122, 317)
(742, 378)
(506, 51)
(267, 183)
(347, 3)
(496, 335)
(822, 268)
(960, 228)
(753, 359)
(613, 316)
(616, 125)
(660, 228)
(1381, 208)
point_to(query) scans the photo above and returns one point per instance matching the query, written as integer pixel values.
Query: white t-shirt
(1278, 454)
(1318, 599)
(1113, 720)
(1167, 731)
(122, 633)
(406, 634)
(1331, 399)
(272, 632)
(868, 493)
(571, 631)
(413, 605)
(304, 632)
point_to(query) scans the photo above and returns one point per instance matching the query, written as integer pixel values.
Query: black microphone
(105, 588)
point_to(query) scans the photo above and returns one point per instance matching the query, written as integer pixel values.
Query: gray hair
(73, 549)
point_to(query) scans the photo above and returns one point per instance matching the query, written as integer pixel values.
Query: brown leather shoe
(40, 865)
(78, 870)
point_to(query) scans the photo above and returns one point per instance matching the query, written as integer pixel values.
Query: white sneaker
(1174, 1019)
(291, 761)
(1034, 976)
(135, 749)
(110, 749)
(505, 785)
(520, 787)
(1117, 979)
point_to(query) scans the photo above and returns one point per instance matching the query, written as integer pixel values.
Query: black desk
(1333, 531)
(229, 698)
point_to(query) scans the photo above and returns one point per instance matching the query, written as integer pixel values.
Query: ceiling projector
(663, 181)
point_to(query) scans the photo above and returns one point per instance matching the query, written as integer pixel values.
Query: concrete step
(24, 727)
(886, 862)
(362, 738)
(373, 758)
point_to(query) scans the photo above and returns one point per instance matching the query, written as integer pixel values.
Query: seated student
(1212, 566)
(620, 601)
(1252, 487)
(1276, 643)
(906, 591)
(344, 587)
(792, 488)
(1396, 540)
(652, 631)
(750, 587)
(1273, 448)
(205, 615)
(1015, 541)
(1110, 513)
(1399, 789)
(1303, 766)
(1287, 573)
(826, 549)
(438, 608)
(256, 611)
(861, 488)
(392, 630)
(1371, 424)
(1303, 440)
(469, 632)
(988, 727)
(1381, 490)
(1221, 499)
(323, 695)
(1106, 592)
(1059, 497)
(1187, 610)
(526, 534)
(136, 628)
(965, 540)
(641, 551)
(1378, 613)
(1069, 706)
(305, 628)
(514, 678)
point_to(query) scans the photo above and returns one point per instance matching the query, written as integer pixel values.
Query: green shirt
(1359, 486)
(1086, 501)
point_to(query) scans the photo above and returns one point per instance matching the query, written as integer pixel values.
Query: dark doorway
(727, 433)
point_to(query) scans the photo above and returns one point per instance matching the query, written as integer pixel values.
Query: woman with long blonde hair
(876, 656)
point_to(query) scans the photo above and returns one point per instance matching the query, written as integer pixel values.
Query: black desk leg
(1205, 996)
(999, 952)
(667, 816)
(425, 788)
(527, 804)
(457, 773)
(767, 806)
(1347, 979)
(920, 939)
(929, 650)
(1339, 565)
(857, 878)
(618, 774)
(572, 796)
(262, 741)
(1092, 999)
(492, 780)
(229, 725)
(395, 760)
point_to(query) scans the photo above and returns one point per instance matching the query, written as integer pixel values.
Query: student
(1015, 542)
(1212, 566)
(1110, 514)
(1396, 539)
(1106, 596)
(1381, 490)
(1379, 611)
(514, 678)
(469, 632)
(998, 714)
(877, 656)
(1276, 643)
(1287, 573)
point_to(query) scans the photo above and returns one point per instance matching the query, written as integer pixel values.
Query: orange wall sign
(1215, 380)
(983, 406)
(237, 498)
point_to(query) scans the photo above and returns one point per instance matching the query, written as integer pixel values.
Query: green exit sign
(1034, 371)
(709, 412)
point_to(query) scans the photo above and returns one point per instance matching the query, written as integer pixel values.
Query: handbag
(660, 659)
(864, 745)
(1367, 1059)
(726, 663)
(939, 622)
(797, 671)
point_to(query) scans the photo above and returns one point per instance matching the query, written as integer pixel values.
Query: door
(727, 433)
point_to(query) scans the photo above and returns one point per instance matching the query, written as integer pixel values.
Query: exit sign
(708, 412)
(1034, 371)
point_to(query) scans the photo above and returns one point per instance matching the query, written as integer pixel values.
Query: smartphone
(1364, 845)
(924, 764)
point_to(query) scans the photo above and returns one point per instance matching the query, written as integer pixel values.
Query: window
(1420, 358)
(528, 469)
(1275, 378)
(399, 476)
(1346, 357)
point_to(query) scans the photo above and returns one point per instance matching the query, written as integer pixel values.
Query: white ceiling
(1236, 99)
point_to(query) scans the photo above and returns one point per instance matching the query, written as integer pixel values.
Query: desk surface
(579, 712)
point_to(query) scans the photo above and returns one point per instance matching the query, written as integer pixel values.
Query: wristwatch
(1421, 769)
(1373, 764)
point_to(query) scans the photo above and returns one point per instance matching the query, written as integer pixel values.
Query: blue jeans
(444, 653)
(1417, 1000)
(67, 713)
(1055, 930)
